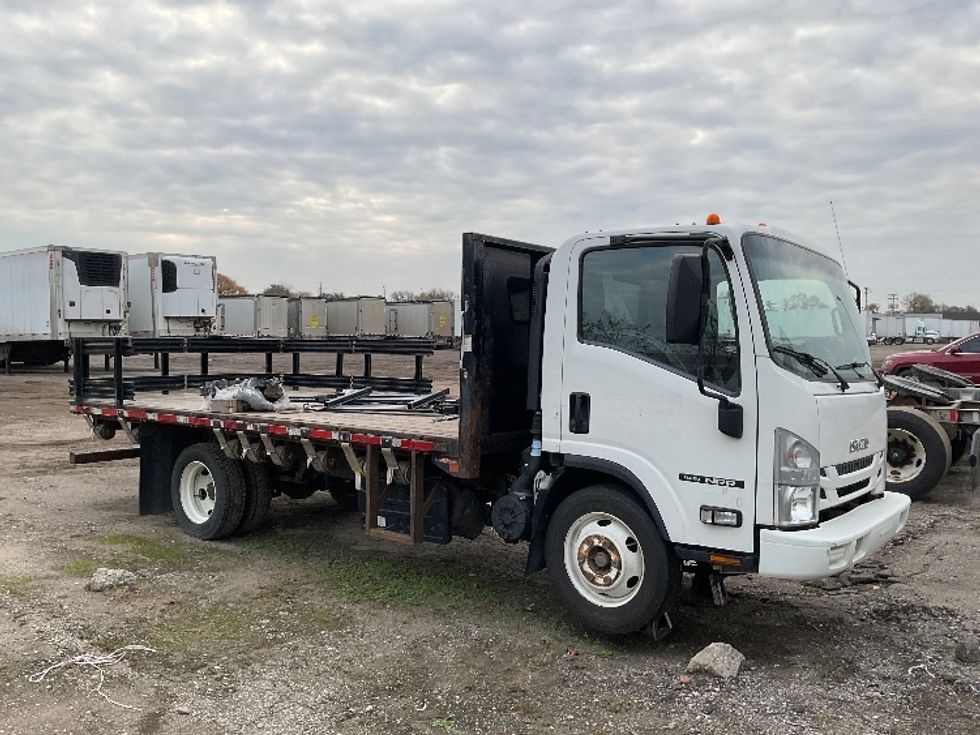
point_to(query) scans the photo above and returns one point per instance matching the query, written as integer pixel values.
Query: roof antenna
(839, 243)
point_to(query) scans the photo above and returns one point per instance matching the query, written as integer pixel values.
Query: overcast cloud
(351, 143)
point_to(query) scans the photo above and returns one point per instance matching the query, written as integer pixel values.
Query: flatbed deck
(438, 434)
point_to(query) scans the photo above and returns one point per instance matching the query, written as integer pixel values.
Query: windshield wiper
(879, 378)
(817, 365)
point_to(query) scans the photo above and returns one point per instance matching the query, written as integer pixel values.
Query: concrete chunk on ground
(716, 659)
(107, 579)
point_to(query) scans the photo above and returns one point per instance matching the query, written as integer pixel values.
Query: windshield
(809, 309)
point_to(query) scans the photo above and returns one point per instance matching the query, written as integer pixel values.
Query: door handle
(579, 409)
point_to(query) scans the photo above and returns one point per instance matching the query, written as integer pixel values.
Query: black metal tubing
(121, 388)
(105, 387)
(230, 345)
(117, 373)
(78, 382)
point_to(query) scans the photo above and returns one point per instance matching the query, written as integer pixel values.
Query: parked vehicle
(919, 334)
(433, 319)
(49, 295)
(172, 295)
(308, 317)
(363, 316)
(961, 357)
(668, 399)
(933, 416)
(253, 316)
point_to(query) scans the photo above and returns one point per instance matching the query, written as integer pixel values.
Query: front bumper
(834, 546)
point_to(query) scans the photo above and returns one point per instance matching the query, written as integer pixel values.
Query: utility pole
(893, 302)
(867, 296)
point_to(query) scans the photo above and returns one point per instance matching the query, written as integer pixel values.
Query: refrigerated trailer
(253, 316)
(363, 316)
(172, 295)
(48, 295)
(308, 317)
(435, 319)
(408, 319)
(632, 406)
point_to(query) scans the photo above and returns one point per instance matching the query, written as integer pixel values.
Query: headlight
(796, 480)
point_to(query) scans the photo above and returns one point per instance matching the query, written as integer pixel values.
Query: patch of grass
(446, 723)
(208, 629)
(82, 566)
(144, 546)
(405, 581)
(16, 585)
(316, 618)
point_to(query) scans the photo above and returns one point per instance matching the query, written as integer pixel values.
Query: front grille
(853, 488)
(854, 465)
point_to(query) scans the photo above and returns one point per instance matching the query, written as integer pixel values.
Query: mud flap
(159, 447)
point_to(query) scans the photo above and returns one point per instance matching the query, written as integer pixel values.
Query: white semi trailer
(49, 295)
(432, 319)
(667, 398)
(172, 295)
(362, 316)
(253, 316)
(308, 317)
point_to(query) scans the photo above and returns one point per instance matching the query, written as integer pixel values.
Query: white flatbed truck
(632, 405)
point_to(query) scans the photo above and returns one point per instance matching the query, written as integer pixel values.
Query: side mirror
(684, 300)
(953, 351)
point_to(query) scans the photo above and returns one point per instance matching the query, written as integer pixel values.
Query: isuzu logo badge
(859, 445)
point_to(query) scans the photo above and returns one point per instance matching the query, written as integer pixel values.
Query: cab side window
(623, 306)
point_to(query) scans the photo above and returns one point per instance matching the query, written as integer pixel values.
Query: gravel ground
(310, 627)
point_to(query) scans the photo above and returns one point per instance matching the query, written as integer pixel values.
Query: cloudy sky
(350, 143)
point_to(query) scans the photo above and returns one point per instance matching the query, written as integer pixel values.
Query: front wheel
(918, 452)
(607, 561)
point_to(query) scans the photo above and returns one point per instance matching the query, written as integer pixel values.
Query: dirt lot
(309, 627)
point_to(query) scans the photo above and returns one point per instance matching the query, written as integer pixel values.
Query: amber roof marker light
(713, 219)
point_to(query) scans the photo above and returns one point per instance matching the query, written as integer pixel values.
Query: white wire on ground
(95, 661)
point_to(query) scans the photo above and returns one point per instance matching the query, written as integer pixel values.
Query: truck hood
(852, 426)
(912, 356)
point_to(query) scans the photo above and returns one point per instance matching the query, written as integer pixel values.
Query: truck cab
(702, 394)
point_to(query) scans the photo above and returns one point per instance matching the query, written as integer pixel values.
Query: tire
(208, 492)
(258, 496)
(608, 602)
(918, 454)
(930, 341)
(887, 340)
(900, 340)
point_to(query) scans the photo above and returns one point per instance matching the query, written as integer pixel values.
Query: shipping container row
(53, 294)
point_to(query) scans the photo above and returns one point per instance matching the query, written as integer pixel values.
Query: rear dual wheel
(607, 561)
(215, 496)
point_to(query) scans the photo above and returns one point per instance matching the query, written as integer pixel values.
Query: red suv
(961, 356)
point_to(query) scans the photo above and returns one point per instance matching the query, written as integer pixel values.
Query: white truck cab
(720, 373)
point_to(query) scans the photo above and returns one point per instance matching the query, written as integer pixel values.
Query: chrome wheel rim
(906, 456)
(603, 559)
